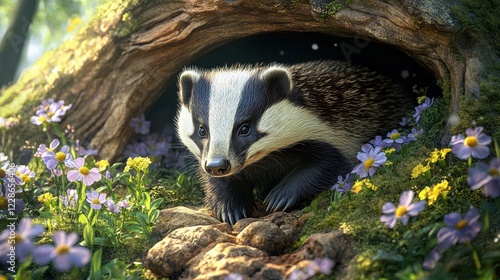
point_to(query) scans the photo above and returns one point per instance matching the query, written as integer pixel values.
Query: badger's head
(230, 118)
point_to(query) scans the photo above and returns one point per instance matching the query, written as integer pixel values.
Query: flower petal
(43, 254)
(73, 175)
(406, 198)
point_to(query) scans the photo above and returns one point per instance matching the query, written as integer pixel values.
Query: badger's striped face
(220, 112)
(231, 118)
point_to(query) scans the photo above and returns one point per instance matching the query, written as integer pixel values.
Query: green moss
(384, 252)
(332, 7)
(480, 17)
(483, 110)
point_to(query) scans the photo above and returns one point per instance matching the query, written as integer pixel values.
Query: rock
(180, 217)
(226, 258)
(171, 254)
(252, 249)
(265, 236)
(242, 224)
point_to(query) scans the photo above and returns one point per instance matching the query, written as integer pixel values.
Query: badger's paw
(231, 215)
(277, 200)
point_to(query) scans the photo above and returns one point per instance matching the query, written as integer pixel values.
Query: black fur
(284, 178)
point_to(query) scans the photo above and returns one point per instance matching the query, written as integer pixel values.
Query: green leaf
(83, 219)
(38, 273)
(102, 241)
(95, 265)
(46, 215)
(143, 219)
(384, 255)
(153, 217)
(146, 200)
(88, 235)
(156, 203)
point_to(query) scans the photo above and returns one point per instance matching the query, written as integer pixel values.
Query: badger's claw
(278, 201)
(230, 216)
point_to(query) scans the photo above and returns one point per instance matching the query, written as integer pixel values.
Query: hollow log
(122, 61)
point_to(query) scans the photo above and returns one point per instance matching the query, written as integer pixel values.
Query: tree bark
(12, 44)
(120, 64)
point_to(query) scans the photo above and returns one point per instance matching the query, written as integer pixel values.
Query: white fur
(287, 124)
(225, 93)
(185, 127)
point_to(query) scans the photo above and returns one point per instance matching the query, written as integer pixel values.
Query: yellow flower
(423, 194)
(356, 188)
(389, 151)
(432, 194)
(102, 164)
(138, 163)
(419, 169)
(369, 185)
(421, 99)
(443, 152)
(45, 198)
(434, 155)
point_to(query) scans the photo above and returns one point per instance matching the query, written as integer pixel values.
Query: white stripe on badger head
(185, 128)
(226, 89)
(286, 124)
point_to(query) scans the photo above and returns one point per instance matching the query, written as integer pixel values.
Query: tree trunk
(12, 45)
(119, 65)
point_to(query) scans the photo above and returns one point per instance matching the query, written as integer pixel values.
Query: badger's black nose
(217, 166)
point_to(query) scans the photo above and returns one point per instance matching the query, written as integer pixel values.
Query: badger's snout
(217, 166)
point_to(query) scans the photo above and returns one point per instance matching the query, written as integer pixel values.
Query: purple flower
(82, 151)
(41, 149)
(324, 265)
(343, 185)
(70, 200)
(140, 125)
(404, 210)
(21, 240)
(404, 121)
(459, 229)
(123, 203)
(25, 174)
(420, 108)
(112, 207)
(475, 144)
(157, 145)
(82, 173)
(233, 276)
(51, 159)
(431, 260)
(379, 142)
(64, 253)
(49, 111)
(413, 135)
(6, 195)
(370, 158)
(95, 199)
(486, 176)
(395, 139)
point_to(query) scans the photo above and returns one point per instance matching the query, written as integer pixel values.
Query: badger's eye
(202, 131)
(244, 130)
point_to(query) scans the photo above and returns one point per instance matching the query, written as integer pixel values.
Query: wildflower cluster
(79, 191)
(374, 154)
(154, 146)
(434, 183)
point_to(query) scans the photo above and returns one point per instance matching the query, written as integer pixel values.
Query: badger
(282, 132)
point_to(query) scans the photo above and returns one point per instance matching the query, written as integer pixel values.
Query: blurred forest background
(29, 28)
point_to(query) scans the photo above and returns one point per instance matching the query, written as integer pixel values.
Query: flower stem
(475, 256)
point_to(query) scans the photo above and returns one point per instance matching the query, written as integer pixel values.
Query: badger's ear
(186, 85)
(277, 79)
